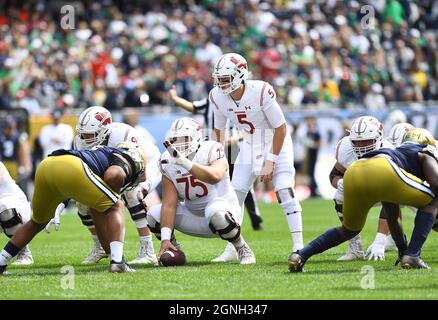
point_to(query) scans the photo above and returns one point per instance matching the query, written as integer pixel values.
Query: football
(172, 257)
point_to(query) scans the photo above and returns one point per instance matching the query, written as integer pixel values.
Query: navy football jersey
(405, 156)
(98, 159)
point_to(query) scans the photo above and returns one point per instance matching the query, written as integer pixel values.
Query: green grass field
(199, 279)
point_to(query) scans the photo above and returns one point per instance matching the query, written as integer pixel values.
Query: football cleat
(3, 271)
(354, 251)
(245, 254)
(410, 262)
(229, 254)
(24, 257)
(120, 267)
(97, 253)
(146, 255)
(296, 262)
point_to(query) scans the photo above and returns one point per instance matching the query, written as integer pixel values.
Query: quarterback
(95, 127)
(266, 150)
(403, 173)
(95, 178)
(196, 172)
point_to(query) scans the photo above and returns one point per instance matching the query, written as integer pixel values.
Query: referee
(203, 107)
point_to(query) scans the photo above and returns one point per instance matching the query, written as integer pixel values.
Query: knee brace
(84, 214)
(133, 200)
(10, 221)
(223, 224)
(287, 201)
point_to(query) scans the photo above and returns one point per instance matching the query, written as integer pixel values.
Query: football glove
(376, 252)
(176, 157)
(56, 221)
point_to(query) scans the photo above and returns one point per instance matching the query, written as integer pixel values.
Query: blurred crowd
(128, 53)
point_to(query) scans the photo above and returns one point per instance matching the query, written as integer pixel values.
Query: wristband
(272, 157)
(166, 233)
(186, 163)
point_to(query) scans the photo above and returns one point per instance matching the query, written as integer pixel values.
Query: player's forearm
(208, 174)
(278, 140)
(168, 216)
(183, 103)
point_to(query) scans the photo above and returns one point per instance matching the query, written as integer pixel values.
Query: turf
(199, 279)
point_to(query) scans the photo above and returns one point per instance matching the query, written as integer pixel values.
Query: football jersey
(123, 132)
(98, 159)
(345, 154)
(405, 156)
(10, 193)
(257, 113)
(197, 194)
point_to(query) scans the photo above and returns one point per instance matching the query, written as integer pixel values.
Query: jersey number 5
(193, 183)
(241, 119)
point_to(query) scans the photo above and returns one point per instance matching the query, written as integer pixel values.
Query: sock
(380, 239)
(95, 238)
(116, 248)
(9, 251)
(295, 224)
(146, 238)
(239, 243)
(331, 238)
(423, 224)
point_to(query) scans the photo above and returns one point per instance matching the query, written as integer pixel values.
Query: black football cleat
(119, 267)
(296, 262)
(410, 262)
(3, 271)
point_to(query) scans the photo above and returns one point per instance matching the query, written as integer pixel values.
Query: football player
(406, 175)
(95, 127)
(266, 150)
(366, 134)
(196, 171)
(383, 240)
(14, 211)
(94, 178)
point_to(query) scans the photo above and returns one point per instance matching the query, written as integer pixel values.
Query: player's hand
(56, 221)
(376, 252)
(176, 157)
(165, 245)
(339, 195)
(172, 93)
(267, 171)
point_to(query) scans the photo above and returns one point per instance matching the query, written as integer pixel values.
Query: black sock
(329, 239)
(12, 250)
(423, 224)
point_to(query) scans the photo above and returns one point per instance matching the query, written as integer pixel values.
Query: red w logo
(103, 116)
(238, 63)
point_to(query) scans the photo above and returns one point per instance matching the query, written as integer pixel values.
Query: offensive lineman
(95, 127)
(196, 172)
(267, 147)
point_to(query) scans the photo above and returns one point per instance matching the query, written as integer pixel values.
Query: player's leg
(97, 253)
(133, 200)
(253, 210)
(284, 182)
(220, 216)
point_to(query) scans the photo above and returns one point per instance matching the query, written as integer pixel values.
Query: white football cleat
(24, 257)
(146, 255)
(97, 253)
(246, 256)
(354, 252)
(390, 244)
(229, 254)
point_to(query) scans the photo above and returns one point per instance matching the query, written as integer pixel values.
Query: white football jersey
(197, 194)
(11, 196)
(345, 154)
(257, 113)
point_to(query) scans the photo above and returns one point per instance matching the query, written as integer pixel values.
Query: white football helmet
(185, 135)
(229, 72)
(93, 127)
(367, 129)
(397, 133)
